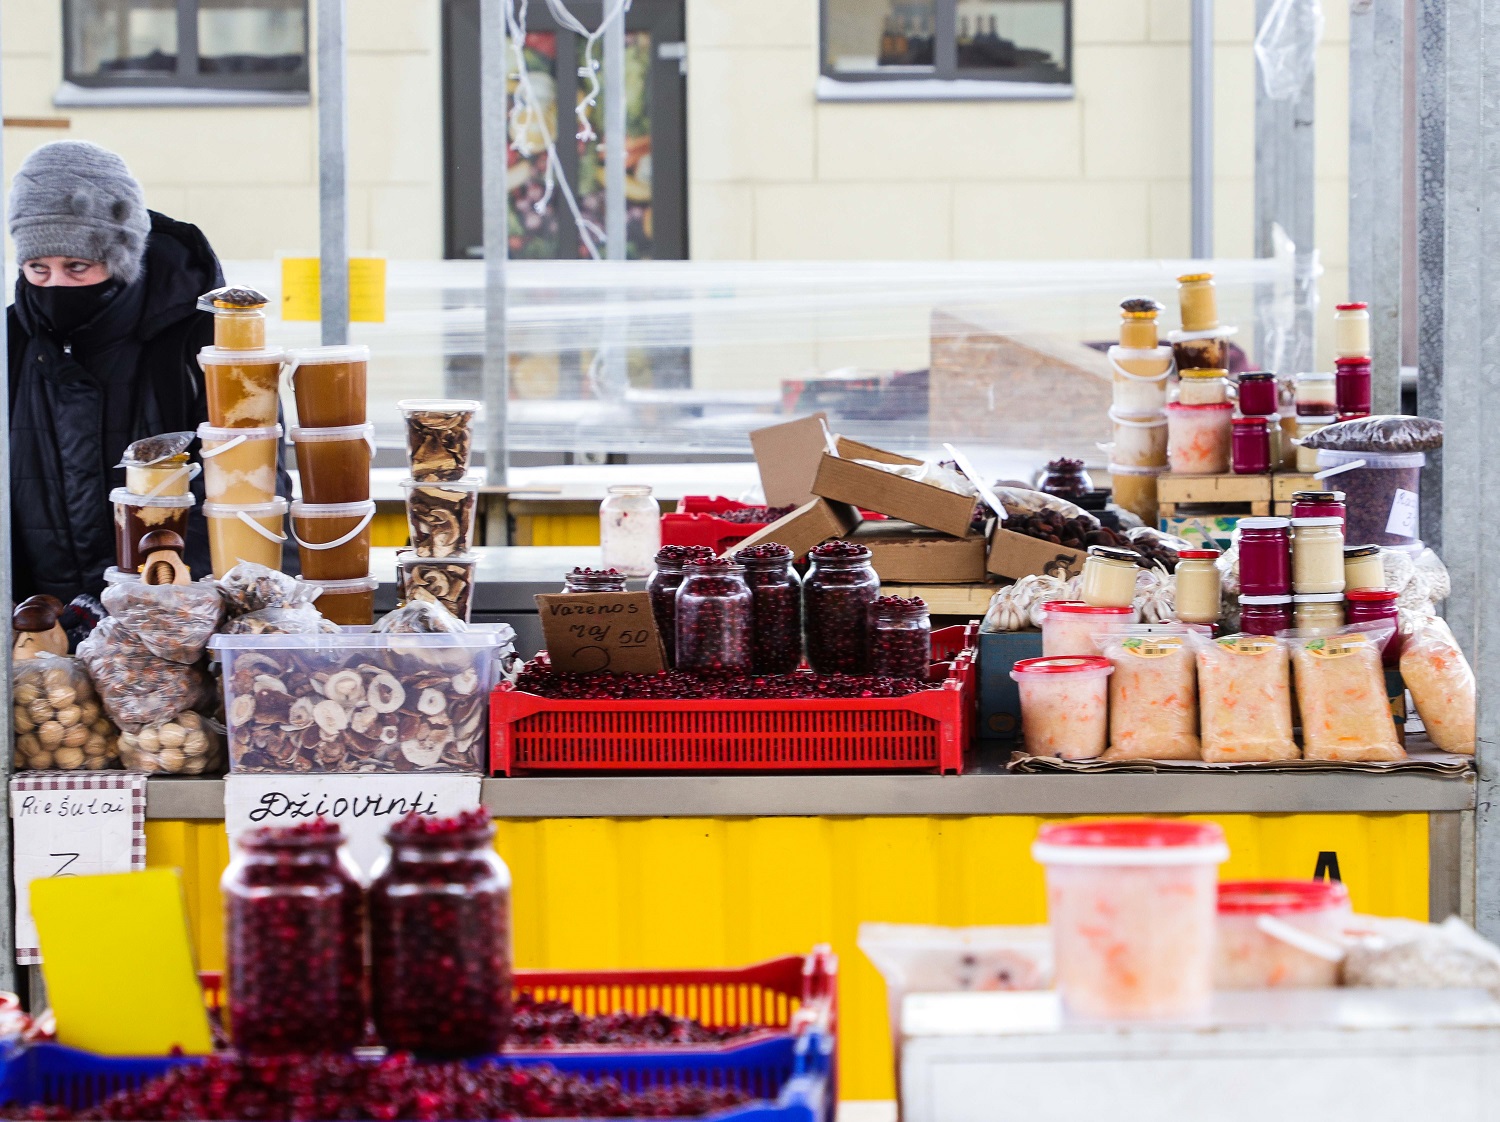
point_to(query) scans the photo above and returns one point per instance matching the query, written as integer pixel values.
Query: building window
(186, 44)
(964, 43)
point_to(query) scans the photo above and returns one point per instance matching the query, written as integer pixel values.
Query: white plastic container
(1132, 906)
(251, 532)
(239, 465)
(630, 530)
(1064, 706)
(1140, 395)
(1261, 924)
(1070, 627)
(1198, 438)
(1380, 494)
(1139, 441)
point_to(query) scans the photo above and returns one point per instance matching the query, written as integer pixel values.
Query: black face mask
(66, 308)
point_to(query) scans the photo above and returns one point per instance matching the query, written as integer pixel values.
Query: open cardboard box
(812, 523)
(907, 554)
(1014, 556)
(795, 466)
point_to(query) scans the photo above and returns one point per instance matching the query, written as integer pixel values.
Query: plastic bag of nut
(57, 717)
(171, 620)
(136, 686)
(249, 587)
(187, 744)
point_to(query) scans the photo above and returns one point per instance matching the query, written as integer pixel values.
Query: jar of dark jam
(836, 597)
(776, 608)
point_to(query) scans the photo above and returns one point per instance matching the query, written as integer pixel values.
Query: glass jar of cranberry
(835, 603)
(662, 587)
(776, 608)
(713, 618)
(1066, 479)
(1377, 605)
(900, 637)
(594, 580)
(440, 938)
(294, 939)
(1265, 556)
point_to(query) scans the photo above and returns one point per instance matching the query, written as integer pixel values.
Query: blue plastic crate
(788, 1076)
(999, 696)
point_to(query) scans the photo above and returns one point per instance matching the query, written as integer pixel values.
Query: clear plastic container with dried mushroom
(58, 719)
(360, 701)
(448, 581)
(441, 515)
(439, 436)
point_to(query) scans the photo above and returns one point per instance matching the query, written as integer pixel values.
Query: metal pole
(1375, 162)
(1468, 88)
(333, 190)
(1432, 140)
(614, 138)
(1203, 128)
(494, 143)
(7, 897)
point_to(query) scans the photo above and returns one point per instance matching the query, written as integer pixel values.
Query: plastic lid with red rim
(1197, 555)
(1354, 306)
(1372, 595)
(1213, 406)
(1132, 833)
(1249, 421)
(1280, 897)
(1352, 360)
(1079, 608)
(1060, 664)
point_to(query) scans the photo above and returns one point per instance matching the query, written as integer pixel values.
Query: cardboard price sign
(589, 632)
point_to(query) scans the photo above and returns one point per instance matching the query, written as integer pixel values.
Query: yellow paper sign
(140, 998)
(301, 289)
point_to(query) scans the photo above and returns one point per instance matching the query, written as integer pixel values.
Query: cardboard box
(907, 554)
(999, 696)
(1014, 556)
(787, 456)
(810, 524)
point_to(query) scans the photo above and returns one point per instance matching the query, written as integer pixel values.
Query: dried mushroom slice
(441, 518)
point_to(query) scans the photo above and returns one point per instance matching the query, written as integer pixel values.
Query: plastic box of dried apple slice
(361, 701)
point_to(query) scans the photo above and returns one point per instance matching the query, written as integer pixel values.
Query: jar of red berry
(900, 637)
(294, 939)
(594, 580)
(836, 598)
(440, 938)
(713, 618)
(776, 608)
(662, 585)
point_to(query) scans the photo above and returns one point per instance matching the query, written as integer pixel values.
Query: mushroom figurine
(38, 632)
(163, 562)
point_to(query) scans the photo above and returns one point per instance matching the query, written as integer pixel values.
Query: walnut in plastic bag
(137, 687)
(57, 718)
(187, 744)
(172, 620)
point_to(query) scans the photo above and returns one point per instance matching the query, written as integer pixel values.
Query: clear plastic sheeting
(685, 357)
(1286, 46)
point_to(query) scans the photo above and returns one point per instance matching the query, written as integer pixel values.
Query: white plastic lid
(207, 431)
(223, 356)
(332, 510)
(350, 584)
(300, 435)
(1317, 521)
(1220, 332)
(1122, 469)
(277, 505)
(1261, 601)
(1332, 457)
(1316, 376)
(469, 484)
(1319, 598)
(438, 405)
(1315, 422)
(1263, 523)
(126, 498)
(1152, 421)
(318, 356)
(406, 559)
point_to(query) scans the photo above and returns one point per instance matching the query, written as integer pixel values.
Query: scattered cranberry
(835, 602)
(765, 514)
(295, 941)
(540, 680)
(440, 938)
(900, 637)
(663, 585)
(557, 1024)
(594, 580)
(713, 618)
(776, 596)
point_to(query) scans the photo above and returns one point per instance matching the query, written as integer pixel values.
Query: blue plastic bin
(999, 697)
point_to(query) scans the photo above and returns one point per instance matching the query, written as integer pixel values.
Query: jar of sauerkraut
(1278, 934)
(1064, 706)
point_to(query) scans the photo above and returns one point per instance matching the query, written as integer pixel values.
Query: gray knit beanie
(76, 199)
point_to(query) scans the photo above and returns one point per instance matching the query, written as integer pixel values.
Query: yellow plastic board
(118, 964)
(301, 289)
(616, 893)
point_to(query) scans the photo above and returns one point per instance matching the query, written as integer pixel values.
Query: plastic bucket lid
(349, 584)
(207, 431)
(1211, 407)
(437, 405)
(1126, 469)
(277, 505)
(1150, 421)
(301, 509)
(319, 356)
(1330, 457)
(408, 559)
(343, 432)
(126, 498)
(1280, 897)
(1131, 841)
(1081, 666)
(1079, 608)
(223, 356)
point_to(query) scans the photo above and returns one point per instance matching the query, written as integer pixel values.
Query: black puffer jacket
(75, 405)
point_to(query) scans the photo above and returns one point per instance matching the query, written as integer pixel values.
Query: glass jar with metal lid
(1109, 577)
(1203, 387)
(1318, 504)
(1315, 394)
(1323, 612)
(1257, 393)
(1265, 556)
(1351, 330)
(1363, 567)
(1265, 615)
(1317, 556)
(1198, 586)
(1197, 301)
(1307, 458)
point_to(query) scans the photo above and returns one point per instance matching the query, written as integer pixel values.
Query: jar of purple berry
(294, 940)
(440, 938)
(662, 585)
(900, 637)
(836, 597)
(713, 618)
(776, 608)
(594, 580)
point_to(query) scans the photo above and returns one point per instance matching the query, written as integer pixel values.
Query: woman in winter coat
(104, 336)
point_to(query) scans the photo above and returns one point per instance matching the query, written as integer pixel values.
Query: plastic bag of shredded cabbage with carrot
(1341, 694)
(1245, 699)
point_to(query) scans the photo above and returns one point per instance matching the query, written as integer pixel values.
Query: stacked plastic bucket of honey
(1138, 410)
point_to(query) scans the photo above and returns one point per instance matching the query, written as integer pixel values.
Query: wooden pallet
(971, 600)
(1214, 491)
(1285, 485)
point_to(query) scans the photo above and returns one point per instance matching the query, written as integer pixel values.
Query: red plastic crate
(927, 731)
(695, 522)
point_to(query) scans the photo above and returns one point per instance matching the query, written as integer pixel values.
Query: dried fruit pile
(543, 681)
(330, 1086)
(556, 1024)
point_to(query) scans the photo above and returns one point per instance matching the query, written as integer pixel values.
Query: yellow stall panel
(604, 893)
